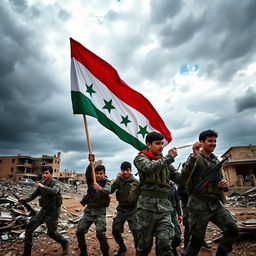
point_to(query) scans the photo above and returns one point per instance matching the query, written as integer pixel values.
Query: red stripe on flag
(104, 72)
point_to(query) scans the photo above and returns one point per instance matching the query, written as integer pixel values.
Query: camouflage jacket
(50, 196)
(197, 167)
(123, 188)
(99, 199)
(155, 176)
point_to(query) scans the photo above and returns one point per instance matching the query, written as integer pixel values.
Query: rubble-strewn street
(13, 218)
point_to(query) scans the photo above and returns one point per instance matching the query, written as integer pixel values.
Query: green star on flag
(125, 120)
(90, 89)
(143, 131)
(87, 68)
(108, 105)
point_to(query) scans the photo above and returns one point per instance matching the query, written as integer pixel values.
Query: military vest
(49, 200)
(211, 190)
(128, 192)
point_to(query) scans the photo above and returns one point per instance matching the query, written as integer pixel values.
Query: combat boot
(221, 252)
(65, 246)
(27, 250)
(122, 249)
(83, 254)
(105, 253)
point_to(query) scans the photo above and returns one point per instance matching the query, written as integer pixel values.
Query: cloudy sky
(147, 42)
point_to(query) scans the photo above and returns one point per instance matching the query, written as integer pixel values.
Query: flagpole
(89, 147)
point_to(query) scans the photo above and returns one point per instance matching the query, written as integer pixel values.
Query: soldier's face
(100, 175)
(156, 147)
(209, 144)
(46, 175)
(126, 173)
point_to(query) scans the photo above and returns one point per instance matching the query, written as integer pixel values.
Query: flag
(98, 91)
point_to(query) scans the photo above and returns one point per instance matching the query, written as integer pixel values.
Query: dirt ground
(42, 246)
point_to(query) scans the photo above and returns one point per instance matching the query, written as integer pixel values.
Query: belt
(154, 194)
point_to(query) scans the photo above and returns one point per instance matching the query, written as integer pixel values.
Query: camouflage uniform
(50, 200)
(95, 212)
(126, 209)
(154, 208)
(205, 206)
(174, 199)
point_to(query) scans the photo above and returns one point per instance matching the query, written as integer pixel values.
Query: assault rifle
(31, 211)
(211, 175)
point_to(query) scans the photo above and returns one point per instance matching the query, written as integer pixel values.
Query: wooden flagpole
(89, 147)
(185, 146)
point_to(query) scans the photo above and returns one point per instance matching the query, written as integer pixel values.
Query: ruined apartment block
(21, 166)
(240, 171)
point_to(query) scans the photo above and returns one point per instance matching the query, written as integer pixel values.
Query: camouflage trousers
(176, 241)
(83, 226)
(122, 216)
(51, 220)
(200, 213)
(158, 224)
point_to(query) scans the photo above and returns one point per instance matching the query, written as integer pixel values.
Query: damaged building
(21, 166)
(240, 170)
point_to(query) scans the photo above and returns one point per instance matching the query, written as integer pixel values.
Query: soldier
(153, 208)
(127, 192)
(206, 205)
(50, 200)
(97, 200)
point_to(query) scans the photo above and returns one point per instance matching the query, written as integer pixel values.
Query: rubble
(247, 199)
(15, 216)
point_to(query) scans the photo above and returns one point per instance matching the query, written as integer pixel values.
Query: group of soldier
(148, 205)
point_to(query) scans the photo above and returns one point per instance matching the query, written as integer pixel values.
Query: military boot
(83, 253)
(221, 252)
(105, 253)
(122, 249)
(65, 246)
(27, 250)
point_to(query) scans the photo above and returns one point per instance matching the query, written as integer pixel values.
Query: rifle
(211, 174)
(31, 211)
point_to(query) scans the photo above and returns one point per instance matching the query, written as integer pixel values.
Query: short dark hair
(208, 133)
(125, 166)
(47, 168)
(99, 168)
(154, 136)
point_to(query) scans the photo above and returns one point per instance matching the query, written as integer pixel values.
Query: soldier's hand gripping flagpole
(89, 147)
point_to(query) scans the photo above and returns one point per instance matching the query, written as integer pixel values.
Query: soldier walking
(127, 192)
(50, 200)
(97, 200)
(207, 204)
(153, 208)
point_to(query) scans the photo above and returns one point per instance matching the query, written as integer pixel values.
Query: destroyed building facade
(21, 166)
(240, 170)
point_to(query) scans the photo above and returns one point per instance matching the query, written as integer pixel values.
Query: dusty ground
(45, 246)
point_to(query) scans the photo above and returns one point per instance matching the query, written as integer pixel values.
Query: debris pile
(14, 216)
(247, 199)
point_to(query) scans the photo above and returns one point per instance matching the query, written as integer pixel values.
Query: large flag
(98, 91)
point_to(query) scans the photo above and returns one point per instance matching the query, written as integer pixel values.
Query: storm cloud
(147, 42)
